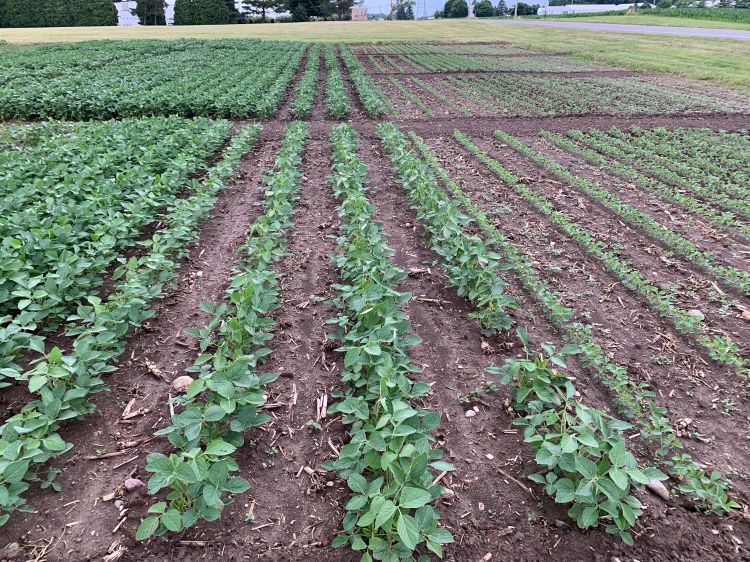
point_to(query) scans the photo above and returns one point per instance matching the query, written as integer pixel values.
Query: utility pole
(515, 11)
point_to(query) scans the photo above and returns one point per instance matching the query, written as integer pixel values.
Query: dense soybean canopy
(105, 79)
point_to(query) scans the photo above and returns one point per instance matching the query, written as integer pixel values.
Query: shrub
(200, 12)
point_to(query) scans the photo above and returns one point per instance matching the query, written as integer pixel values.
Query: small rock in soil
(132, 484)
(470, 413)
(658, 489)
(181, 384)
(695, 313)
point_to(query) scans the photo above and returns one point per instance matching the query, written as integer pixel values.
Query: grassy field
(660, 20)
(721, 61)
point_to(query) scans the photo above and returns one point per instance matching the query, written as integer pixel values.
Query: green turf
(659, 20)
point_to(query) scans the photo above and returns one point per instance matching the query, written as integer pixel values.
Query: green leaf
(172, 520)
(441, 536)
(443, 466)
(386, 512)
(357, 483)
(408, 531)
(413, 498)
(357, 502)
(220, 448)
(147, 528)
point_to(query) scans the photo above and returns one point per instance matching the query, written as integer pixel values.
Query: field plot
(416, 301)
(100, 80)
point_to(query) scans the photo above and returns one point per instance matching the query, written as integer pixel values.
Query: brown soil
(293, 514)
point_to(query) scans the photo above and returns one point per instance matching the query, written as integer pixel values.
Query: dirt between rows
(293, 508)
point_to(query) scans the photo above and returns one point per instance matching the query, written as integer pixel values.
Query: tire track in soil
(302, 509)
(203, 275)
(488, 513)
(623, 325)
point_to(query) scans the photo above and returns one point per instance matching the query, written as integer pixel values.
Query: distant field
(662, 20)
(713, 60)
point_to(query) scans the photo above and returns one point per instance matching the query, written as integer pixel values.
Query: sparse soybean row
(387, 461)
(721, 348)
(706, 184)
(64, 381)
(635, 399)
(662, 190)
(337, 102)
(582, 452)
(731, 276)
(224, 400)
(303, 100)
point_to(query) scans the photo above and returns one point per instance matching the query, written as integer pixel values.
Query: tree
(150, 12)
(526, 10)
(58, 13)
(303, 10)
(456, 9)
(501, 9)
(262, 6)
(200, 12)
(234, 14)
(340, 8)
(484, 9)
(405, 10)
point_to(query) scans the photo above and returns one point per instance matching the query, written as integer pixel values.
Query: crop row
(224, 400)
(224, 78)
(446, 62)
(671, 239)
(581, 452)
(63, 381)
(696, 175)
(337, 102)
(662, 300)
(458, 49)
(703, 151)
(386, 462)
(73, 202)
(592, 150)
(308, 85)
(559, 95)
(368, 92)
(441, 96)
(635, 399)
(412, 97)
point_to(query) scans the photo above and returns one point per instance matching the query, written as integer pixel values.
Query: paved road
(627, 28)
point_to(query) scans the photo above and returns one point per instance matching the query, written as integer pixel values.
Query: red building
(359, 13)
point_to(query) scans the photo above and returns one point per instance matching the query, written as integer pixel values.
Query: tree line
(484, 9)
(213, 12)
(57, 13)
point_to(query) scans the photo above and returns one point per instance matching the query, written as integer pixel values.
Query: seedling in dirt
(728, 406)
(312, 426)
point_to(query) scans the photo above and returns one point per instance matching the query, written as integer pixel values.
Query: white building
(124, 17)
(581, 9)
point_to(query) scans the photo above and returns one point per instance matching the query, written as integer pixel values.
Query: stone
(181, 384)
